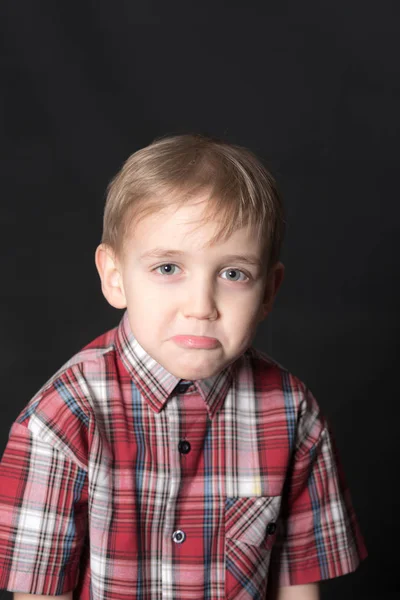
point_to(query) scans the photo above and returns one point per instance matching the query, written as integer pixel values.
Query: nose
(200, 301)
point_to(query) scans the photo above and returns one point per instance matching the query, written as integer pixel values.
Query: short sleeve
(43, 516)
(318, 534)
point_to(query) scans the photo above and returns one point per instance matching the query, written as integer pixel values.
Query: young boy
(168, 458)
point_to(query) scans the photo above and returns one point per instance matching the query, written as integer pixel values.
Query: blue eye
(167, 269)
(235, 275)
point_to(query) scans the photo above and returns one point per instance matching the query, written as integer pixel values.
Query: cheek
(240, 323)
(148, 308)
(245, 309)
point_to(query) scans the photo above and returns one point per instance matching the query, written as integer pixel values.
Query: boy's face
(194, 308)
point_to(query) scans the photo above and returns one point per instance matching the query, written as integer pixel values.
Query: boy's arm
(309, 591)
(18, 596)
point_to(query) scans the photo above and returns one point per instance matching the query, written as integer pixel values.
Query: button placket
(184, 446)
(172, 413)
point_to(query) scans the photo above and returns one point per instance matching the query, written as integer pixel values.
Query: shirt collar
(156, 384)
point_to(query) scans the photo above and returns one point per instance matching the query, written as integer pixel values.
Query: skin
(309, 591)
(206, 294)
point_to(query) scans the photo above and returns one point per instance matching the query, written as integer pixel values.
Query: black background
(313, 88)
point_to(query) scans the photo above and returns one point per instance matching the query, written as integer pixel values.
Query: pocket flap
(251, 520)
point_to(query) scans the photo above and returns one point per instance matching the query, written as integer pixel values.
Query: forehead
(187, 228)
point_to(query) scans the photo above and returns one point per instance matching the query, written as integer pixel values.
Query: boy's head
(193, 229)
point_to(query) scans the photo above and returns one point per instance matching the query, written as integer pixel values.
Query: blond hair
(176, 169)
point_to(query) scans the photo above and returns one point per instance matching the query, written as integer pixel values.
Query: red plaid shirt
(121, 481)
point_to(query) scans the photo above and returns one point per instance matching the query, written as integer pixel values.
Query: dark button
(182, 388)
(179, 536)
(271, 528)
(184, 447)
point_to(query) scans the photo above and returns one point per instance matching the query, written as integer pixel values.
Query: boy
(169, 459)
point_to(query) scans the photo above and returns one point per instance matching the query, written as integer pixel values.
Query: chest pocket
(250, 533)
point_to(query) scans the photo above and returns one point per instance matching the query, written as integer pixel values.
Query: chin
(193, 373)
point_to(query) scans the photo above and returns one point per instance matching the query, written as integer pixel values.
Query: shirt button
(271, 528)
(178, 536)
(184, 447)
(182, 388)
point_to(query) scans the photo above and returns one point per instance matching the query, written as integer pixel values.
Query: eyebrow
(168, 253)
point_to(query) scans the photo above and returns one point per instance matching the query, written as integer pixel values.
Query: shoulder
(93, 353)
(62, 411)
(281, 393)
(271, 377)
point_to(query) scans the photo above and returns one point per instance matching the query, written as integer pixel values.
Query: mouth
(195, 341)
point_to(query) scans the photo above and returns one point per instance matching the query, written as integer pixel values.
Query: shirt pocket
(250, 533)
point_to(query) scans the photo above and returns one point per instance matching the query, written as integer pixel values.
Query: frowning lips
(195, 341)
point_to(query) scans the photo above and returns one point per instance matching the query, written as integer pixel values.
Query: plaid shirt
(121, 481)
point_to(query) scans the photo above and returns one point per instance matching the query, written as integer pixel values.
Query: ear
(271, 289)
(109, 270)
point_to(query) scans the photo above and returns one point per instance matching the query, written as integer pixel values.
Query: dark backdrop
(313, 88)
